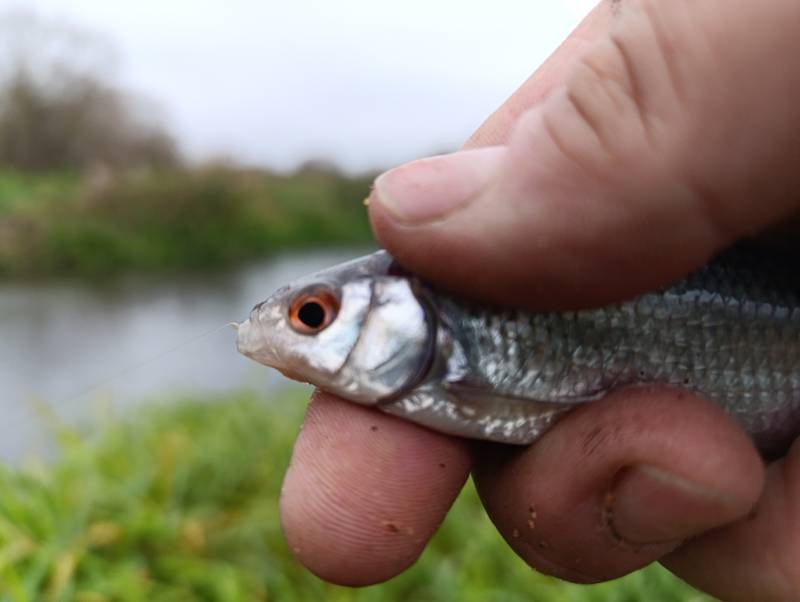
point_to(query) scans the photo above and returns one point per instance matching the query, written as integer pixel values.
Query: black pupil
(312, 314)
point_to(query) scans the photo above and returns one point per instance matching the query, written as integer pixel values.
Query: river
(72, 346)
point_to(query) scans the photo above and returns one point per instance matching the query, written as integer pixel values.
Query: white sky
(361, 83)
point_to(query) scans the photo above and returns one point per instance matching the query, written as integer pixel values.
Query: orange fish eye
(312, 312)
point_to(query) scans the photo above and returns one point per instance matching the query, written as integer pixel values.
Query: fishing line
(128, 370)
(25, 421)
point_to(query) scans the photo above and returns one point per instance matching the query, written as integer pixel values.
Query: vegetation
(180, 503)
(60, 223)
(60, 107)
(92, 181)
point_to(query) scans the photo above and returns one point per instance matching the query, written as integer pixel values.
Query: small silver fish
(376, 335)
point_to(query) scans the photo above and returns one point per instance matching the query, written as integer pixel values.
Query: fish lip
(241, 329)
(244, 338)
(251, 344)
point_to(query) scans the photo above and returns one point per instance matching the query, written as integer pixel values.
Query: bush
(57, 224)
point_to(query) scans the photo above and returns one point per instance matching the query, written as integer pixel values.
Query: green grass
(61, 224)
(180, 502)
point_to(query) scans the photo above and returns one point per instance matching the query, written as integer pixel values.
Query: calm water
(74, 346)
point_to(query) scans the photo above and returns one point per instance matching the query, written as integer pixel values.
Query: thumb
(677, 133)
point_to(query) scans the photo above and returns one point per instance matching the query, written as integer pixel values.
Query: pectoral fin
(467, 412)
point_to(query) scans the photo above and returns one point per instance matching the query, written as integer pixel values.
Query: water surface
(73, 346)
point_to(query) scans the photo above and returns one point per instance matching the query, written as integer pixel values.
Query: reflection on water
(70, 344)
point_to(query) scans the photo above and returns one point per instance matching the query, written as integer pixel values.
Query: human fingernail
(649, 505)
(432, 188)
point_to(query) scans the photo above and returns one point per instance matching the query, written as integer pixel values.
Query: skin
(657, 134)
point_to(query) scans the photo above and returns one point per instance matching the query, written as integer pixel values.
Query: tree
(59, 107)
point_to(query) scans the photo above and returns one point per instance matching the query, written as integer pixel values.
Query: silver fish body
(729, 331)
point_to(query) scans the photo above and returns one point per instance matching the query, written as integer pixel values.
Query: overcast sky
(361, 83)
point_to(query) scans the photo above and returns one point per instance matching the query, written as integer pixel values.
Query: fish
(375, 334)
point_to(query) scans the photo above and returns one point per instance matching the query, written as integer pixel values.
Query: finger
(756, 559)
(365, 491)
(497, 128)
(640, 167)
(617, 484)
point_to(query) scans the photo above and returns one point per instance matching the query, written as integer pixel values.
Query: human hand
(659, 133)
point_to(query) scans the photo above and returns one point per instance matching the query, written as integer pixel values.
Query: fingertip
(365, 491)
(619, 483)
(505, 226)
(433, 188)
(753, 559)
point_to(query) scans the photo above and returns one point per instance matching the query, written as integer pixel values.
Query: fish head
(359, 333)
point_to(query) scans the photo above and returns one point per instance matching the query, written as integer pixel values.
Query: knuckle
(598, 117)
(623, 102)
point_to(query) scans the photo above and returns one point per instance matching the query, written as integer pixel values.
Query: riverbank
(180, 502)
(106, 223)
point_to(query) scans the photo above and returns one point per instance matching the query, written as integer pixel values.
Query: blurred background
(163, 167)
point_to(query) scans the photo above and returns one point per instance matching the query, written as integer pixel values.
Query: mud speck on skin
(373, 428)
(532, 515)
(608, 500)
(442, 465)
(390, 527)
(607, 515)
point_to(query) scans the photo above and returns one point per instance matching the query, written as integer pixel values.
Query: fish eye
(313, 311)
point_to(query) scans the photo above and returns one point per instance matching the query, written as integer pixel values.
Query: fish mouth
(250, 344)
(246, 341)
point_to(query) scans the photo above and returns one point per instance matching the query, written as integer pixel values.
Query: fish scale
(726, 332)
